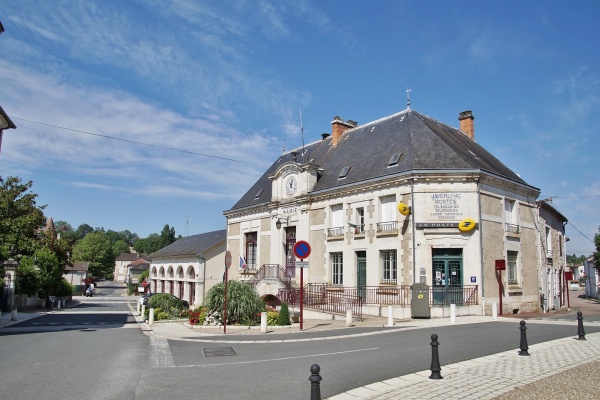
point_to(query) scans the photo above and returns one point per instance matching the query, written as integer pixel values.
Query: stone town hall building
(404, 199)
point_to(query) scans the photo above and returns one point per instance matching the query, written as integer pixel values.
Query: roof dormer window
(344, 172)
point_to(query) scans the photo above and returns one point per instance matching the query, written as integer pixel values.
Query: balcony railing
(335, 232)
(512, 228)
(383, 227)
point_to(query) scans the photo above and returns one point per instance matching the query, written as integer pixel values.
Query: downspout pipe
(481, 247)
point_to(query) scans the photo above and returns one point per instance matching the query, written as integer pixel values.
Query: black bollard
(523, 346)
(315, 382)
(580, 330)
(435, 360)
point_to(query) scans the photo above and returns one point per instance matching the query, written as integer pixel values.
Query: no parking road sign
(302, 249)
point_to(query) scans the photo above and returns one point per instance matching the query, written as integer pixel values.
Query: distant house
(121, 263)
(76, 274)
(592, 278)
(136, 269)
(189, 267)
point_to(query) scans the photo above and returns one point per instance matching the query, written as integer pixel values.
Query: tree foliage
(243, 302)
(96, 249)
(167, 236)
(575, 260)
(20, 218)
(284, 315)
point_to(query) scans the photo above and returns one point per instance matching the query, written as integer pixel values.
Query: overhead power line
(140, 143)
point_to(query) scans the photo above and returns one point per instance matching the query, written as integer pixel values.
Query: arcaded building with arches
(189, 267)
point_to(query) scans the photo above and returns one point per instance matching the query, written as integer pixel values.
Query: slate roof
(424, 143)
(127, 257)
(78, 266)
(191, 245)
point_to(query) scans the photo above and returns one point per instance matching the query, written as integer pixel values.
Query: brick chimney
(466, 123)
(338, 127)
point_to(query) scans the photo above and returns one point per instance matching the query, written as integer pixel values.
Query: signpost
(302, 251)
(227, 265)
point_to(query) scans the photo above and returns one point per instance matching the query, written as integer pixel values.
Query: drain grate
(218, 351)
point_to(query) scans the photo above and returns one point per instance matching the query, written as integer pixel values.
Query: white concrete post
(143, 310)
(138, 307)
(151, 316)
(263, 322)
(58, 304)
(494, 310)
(390, 316)
(13, 315)
(452, 313)
(348, 316)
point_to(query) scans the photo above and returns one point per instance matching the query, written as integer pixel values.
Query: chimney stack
(465, 119)
(338, 127)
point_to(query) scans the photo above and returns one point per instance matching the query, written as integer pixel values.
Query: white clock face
(290, 185)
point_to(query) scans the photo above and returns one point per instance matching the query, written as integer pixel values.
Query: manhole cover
(218, 351)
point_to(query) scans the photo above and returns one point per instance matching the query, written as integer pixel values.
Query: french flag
(242, 263)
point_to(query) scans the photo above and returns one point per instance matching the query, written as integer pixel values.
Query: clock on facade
(290, 185)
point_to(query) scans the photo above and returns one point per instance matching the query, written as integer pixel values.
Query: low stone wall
(31, 303)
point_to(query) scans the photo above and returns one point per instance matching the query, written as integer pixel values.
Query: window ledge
(337, 237)
(387, 233)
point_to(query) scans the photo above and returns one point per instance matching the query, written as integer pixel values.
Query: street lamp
(281, 221)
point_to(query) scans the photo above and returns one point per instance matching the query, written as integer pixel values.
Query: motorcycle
(89, 292)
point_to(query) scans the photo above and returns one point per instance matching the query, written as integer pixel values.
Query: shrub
(165, 301)
(284, 315)
(272, 318)
(243, 303)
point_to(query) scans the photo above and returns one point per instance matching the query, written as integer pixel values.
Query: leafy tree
(95, 248)
(575, 260)
(167, 236)
(148, 245)
(120, 247)
(66, 232)
(20, 218)
(143, 276)
(83, 230)
(50, 271)
(28, 280)
(243, 302)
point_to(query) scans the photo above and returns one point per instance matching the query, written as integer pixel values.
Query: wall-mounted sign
(423, 225)
(445, 206)
(466, 225)
(473, 279)
(403, 209)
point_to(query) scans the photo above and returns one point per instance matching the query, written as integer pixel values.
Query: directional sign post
(302, 250)
(227, 265)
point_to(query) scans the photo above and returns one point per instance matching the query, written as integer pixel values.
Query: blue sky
(228, 80)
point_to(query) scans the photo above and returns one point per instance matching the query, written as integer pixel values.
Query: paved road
(91, 346)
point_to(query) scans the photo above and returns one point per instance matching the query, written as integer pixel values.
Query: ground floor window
(389, 266)
(337, 269)
(512, 258)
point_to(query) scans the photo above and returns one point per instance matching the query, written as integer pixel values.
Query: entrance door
(290, 258)
(447, 276)
(361, 273)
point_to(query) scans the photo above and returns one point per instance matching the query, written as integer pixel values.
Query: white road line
(160, 353)
(275, 359)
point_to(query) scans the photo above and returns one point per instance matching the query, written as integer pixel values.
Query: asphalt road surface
(97, 351)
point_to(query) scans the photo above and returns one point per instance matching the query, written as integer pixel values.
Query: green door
(447, 276)
(361, 273)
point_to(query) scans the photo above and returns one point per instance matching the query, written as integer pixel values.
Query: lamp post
(10, 272)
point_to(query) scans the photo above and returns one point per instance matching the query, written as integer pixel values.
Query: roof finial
(407, 98)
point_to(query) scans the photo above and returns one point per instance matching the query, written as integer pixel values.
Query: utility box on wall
(419, 304)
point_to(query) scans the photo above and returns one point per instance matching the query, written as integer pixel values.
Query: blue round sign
(302, 249)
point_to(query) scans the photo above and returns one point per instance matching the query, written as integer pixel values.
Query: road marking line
(160, 353)
(274, 359)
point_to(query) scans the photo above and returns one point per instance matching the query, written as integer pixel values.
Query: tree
(120, 247)
(167, 236)
(148, 245)
(20, 218)
(51, 271)
(83, 230)
(95, 248)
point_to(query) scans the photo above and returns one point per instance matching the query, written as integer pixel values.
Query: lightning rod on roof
(408, 98)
